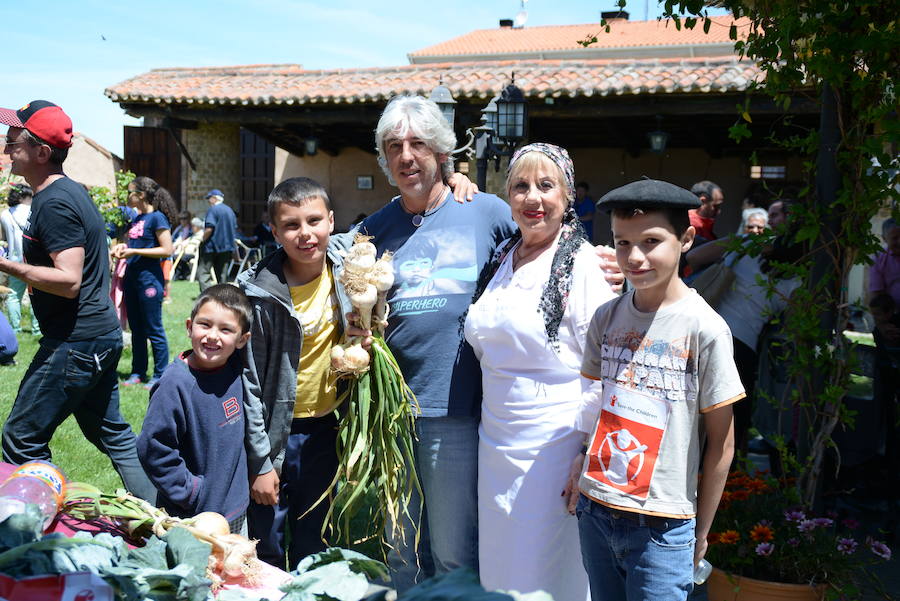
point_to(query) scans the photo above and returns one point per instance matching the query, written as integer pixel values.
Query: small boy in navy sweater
(192, 441)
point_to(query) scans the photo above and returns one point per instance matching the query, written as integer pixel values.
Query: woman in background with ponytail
(149, 239)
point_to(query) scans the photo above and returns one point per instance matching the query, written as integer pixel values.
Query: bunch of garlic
(367, 281)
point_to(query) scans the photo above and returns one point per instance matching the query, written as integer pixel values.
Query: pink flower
(794, 515)
(850, 524)
(879, 548)
(793, 542)
(823, 522)
(847, 546)
(764, 549)
(806, 526)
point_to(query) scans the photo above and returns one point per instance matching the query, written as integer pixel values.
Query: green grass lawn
(71, 451)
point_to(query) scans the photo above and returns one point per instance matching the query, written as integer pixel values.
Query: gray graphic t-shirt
(436, 268)
(658, 371)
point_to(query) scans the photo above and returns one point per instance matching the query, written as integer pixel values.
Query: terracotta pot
(722, 586)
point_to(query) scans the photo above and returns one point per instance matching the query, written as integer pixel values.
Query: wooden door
(153, 152)
(257, 178)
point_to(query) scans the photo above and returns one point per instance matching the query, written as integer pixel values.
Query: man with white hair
(440, 247)
(218, 241)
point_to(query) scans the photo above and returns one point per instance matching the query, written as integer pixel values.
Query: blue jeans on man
(75, 378)
(310, 463)
(446, 455)
(633, 556)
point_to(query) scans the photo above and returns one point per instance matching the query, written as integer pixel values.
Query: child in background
(664, 360)
(192, 441)
(299, 314)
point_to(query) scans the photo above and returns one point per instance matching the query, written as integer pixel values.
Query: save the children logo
(621, 457)
(626, 443)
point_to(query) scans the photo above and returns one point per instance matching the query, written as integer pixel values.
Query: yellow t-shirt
(316, 306)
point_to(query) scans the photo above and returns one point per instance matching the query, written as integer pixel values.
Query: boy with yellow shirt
(290, 396)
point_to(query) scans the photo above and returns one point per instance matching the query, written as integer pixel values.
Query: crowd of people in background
(538, 380)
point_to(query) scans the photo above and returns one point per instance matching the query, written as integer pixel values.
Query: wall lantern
(311, 145)
(658, 138)
(511, 114)
(489, 114)
(442, 96)
(502, 127)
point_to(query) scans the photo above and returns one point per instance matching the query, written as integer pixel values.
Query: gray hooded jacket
(273, 354)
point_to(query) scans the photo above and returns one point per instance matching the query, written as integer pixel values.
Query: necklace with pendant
(419, 218)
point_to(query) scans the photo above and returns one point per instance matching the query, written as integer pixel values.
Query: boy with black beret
(661, 359)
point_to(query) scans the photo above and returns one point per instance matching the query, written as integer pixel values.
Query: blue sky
(58, 52)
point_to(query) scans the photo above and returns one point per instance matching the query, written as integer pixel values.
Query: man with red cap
(66, 268)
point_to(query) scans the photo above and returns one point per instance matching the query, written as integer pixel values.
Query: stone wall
(215, 148)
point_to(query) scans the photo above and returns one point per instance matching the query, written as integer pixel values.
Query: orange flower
(729, 537)
(739, 495)
(762, 533)
(757, 485)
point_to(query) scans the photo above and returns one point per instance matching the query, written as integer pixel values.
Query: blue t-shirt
(436, 269)
(586, 207)
(223, 222)
(142, 234)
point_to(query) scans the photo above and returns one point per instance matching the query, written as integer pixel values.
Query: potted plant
(765, 540)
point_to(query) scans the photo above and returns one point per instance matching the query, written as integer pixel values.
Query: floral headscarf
(557, 154)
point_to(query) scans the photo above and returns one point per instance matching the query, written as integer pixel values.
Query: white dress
(527, 541)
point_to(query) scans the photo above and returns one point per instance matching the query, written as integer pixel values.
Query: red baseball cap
(44, 119)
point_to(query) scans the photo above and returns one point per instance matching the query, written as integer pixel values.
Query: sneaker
(132, 380)
(151, 383)
(9, 363)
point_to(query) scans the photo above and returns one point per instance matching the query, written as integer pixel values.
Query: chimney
(506, 23)
(613, 15)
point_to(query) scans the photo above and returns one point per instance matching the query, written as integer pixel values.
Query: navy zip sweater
(192, 441)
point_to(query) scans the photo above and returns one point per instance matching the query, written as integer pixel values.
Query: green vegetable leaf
(183, 548)
(151, 556)
(89, 557)
(332, 581)
(359, 563)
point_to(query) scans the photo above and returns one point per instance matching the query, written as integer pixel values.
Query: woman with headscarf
(527, 325)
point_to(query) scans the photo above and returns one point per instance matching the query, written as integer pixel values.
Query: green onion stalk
(376, 481)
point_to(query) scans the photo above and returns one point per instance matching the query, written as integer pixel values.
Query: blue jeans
(143, 302)
(635, 557)
(446, 455)
(310, 462)
(75, 378)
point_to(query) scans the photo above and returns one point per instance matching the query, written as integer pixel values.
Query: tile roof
(555, 38)
(280, 85)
